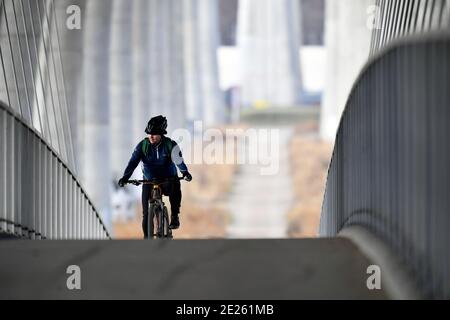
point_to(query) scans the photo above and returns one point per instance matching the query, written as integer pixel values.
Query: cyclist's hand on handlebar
(122, 182)
(187, 176)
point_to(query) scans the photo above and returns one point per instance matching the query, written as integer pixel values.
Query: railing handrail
(19, 118)
(391, 116)
(389, 47)
(373, 59)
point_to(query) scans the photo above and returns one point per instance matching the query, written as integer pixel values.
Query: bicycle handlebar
(153, 181)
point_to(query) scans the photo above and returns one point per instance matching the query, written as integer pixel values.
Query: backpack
(146, 145)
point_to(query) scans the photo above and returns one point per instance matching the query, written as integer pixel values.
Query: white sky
(312, 63)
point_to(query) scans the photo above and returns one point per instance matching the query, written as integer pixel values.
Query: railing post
(3, 170)
(10, 175)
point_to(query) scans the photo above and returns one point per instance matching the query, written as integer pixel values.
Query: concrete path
(258, 203)
(186, 269)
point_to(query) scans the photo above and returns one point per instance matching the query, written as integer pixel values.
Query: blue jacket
(156, 159)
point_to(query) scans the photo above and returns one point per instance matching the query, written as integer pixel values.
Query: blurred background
(254, 91)
(88, 75)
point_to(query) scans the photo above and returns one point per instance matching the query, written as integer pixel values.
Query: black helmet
(157, 125)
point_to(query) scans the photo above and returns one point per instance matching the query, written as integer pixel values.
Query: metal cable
(31, 66)
(3, 64)
(59, 123)
(48, 72)
(12, 60)
(38, 64)
(21, 64)
(66, 118)
(4, 76)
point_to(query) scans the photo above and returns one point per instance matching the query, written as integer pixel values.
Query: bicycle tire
(162, 224)
(159, 227)
(167, 231)
(150, 222)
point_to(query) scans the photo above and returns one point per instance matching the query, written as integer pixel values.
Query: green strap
(169, 145)
(166, 141)
(145, 146)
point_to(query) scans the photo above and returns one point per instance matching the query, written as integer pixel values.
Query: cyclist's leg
(175, 202)
(146, 190)
(173, 190)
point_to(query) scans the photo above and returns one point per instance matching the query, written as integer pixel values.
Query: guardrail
(390, 169)
(39, 196)
(399, 18)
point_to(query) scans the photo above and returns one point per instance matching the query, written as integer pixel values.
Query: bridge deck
(187, 269)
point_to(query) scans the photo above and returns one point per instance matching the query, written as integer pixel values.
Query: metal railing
(390, 169)
(406, 17)
(32, 80)
(39, 196)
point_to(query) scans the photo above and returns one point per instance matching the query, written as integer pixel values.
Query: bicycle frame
(155, 202)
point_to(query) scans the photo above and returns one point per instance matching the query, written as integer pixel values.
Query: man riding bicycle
(157, 153)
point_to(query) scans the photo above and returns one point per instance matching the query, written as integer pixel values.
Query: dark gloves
(122, 182)
(187, 176)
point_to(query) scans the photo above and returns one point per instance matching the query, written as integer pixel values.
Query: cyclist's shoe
(174, 222)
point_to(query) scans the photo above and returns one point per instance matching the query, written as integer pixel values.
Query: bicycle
(158, 219)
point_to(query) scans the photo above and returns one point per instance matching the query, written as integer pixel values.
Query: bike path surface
(259, 203)
(186, 269)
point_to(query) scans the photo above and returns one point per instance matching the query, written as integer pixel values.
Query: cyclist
(159, 155)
